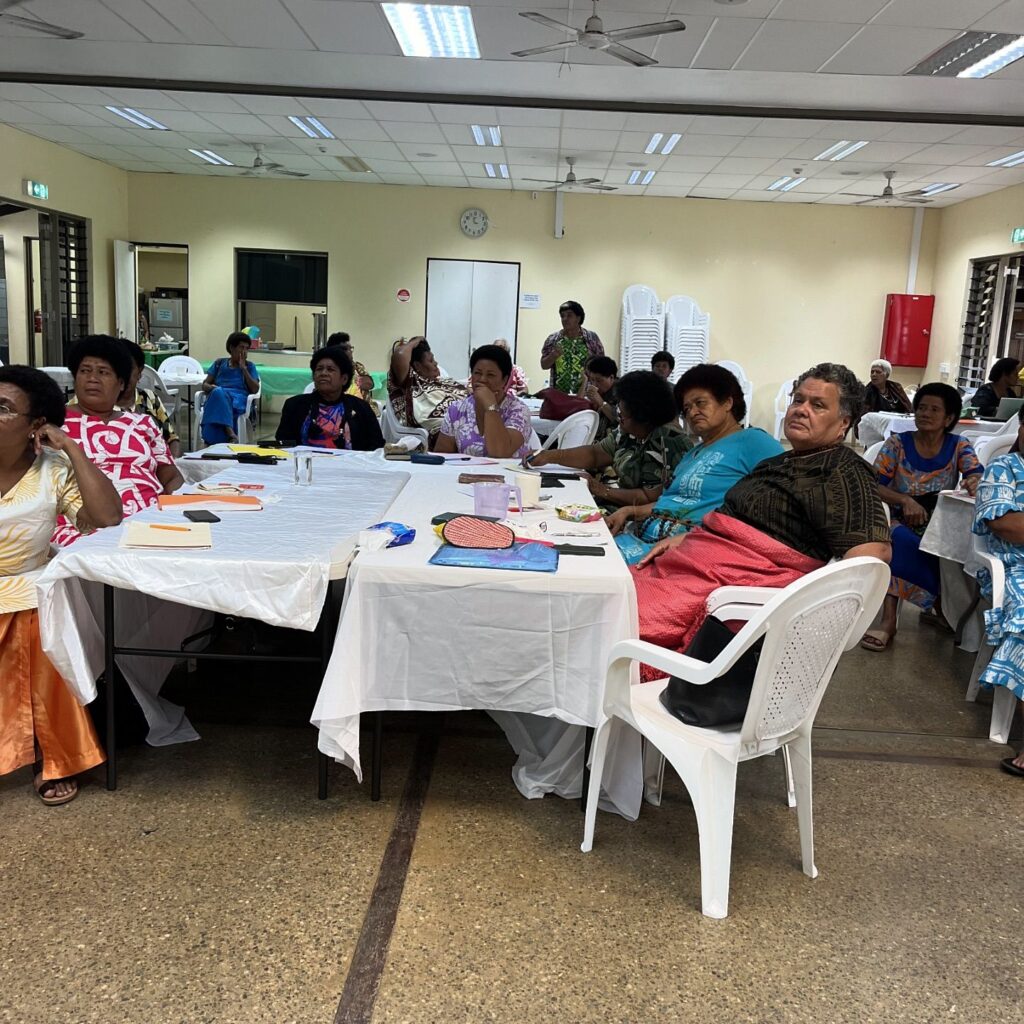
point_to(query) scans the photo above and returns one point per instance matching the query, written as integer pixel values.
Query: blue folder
(528, 557)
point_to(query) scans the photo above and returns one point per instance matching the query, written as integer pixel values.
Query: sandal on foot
(1008, 766)
(877, 640)
(46, 790)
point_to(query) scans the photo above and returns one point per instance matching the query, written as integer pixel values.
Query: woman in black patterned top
(789, 516)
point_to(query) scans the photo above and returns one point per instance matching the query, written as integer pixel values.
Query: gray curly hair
(851, 391)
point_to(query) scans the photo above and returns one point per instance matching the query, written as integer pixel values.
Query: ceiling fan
(571, 181)
(888, 196)
(593, 37)
(34, 24)
(261, 169)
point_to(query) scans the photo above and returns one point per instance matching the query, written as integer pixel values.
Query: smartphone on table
(200, 515)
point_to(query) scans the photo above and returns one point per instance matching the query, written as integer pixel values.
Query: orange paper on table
(209, 502)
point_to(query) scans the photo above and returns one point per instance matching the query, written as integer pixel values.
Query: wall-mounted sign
(529, 300)
(402, 295)
(36, 189)
(1017, 237)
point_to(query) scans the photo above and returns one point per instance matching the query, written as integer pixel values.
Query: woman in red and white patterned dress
(128, 447)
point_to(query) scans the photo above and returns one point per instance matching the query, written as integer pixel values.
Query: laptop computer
(1008, 407)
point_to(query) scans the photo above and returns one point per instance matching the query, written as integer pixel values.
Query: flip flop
(1008, 766)
(41, 785)
(876, 640)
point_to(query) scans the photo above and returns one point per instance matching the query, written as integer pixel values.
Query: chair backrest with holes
(808, 627)
(575, 431)
(990, 448)
(180, 364)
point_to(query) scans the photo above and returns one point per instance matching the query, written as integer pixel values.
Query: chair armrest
(998, 574)
(740, 595)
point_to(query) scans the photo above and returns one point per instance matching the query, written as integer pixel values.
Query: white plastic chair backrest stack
(575, 431)
(745, 386)
(643, 328)
(809, 626)
(687, 332)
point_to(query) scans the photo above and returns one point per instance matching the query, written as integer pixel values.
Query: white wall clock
(474, 222)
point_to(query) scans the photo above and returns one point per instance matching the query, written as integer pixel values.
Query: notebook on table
(165, 535)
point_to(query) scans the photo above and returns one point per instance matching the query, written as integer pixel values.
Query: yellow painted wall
(786, 284)
(971, 230)
(162, 269)
(78, 185)
(286, 319)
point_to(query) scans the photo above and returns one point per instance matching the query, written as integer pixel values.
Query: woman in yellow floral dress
(43, 474)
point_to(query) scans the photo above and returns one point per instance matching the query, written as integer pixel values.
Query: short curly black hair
(647, 397)
(135, 351)
(664, 356)
(236, 338)
(603, 366)
(851, 391)
(337, 355)
(496, 354)
(721, 382)
(45, 398)
(948, 395)
(102, 346)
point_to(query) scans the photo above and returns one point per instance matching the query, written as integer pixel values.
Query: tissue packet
(400, 533)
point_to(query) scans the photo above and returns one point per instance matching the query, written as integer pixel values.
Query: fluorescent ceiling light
(308, 124)
(972, 55)
(211, 158)
(1008, 161)
(503, 169)
(792, 184)
(671, 144)
(840, 151)
(654, 143)
(354, 164)
(481, 134)
(936, 187)
(634, 177)
(778, 183)
(137, 119)
(433, 30)
(647, 178)
(989, 65)
(489, 168)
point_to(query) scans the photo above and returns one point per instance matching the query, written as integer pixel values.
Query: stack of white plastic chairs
(687, 333)
(643, 328)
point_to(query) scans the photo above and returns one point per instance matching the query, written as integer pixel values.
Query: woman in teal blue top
(712, 403)
(228, 386)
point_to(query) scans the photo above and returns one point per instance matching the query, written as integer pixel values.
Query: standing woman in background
(566, 352)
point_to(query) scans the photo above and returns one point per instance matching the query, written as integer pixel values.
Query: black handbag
(723, 701)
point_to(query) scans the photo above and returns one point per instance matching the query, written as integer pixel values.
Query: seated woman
(999, 515)
(912, 468)
(146, 402)
(1002, 382)
(126, 446)
(786, 518)
(329, 416)
(882, 394)
(43, 474)
(361, 384)
(228, 386)
(712, 403)
(419, 395)
(644, 451)
(598, 388)
(491, 421)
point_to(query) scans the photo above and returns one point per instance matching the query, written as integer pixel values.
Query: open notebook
(164, 535)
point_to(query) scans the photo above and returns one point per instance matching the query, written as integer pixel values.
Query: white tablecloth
(949, 536)
(274, 565)
(877, 426)
(419, 636)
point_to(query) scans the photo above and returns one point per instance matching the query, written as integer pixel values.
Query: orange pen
(176, 529)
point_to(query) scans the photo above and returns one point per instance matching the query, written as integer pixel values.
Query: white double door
(470, 303)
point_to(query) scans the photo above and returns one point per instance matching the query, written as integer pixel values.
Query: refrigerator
(168, 316)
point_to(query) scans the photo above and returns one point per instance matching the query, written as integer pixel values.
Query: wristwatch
(491, 408)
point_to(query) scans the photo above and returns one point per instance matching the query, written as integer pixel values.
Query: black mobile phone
(425, 459)
(447, 517)
(579, 549)
(200, 515)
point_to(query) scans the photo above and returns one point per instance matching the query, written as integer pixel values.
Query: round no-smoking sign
(402, 295)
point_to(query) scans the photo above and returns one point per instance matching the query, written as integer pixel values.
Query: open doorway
(20, 310)
(151, 295)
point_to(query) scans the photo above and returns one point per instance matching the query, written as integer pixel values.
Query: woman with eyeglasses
(43, 474)
(711, 401)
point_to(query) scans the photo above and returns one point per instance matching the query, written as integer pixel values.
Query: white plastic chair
(308, 389)
(151, 381)
(745, 386)
(174, 365)
(687, 332)
(642, 329)
(992, 447)
(1008, 429)
(393, 430)
(871, 452)
(806, 627)
(575, 431)
(1004, 702)
(243, 425)
(783, 398)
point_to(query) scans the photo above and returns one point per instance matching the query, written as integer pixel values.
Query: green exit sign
(1018, 236)
(36, 190)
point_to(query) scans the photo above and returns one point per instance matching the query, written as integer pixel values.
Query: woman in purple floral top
(490, 421)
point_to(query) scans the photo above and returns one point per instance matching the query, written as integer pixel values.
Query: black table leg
(375, 756)
(326, 618)
(108, 676)
(588, 738)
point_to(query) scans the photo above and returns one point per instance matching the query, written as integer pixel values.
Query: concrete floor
(213, 886)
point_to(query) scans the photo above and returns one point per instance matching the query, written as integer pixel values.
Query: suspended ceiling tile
(664, 123)
(409, 131)
(988, 135)
(240, 124)
(471, 154)
(887, 50)
(724, 180)
(1002, 176)
(281, 105)
(690, 164)
(678, 49)
(707, 145)
(188, 19)
(18, 91)
(147, 21)
(789, 127)
(451, 113)
(920, 132)
(890, 152)
(753, 10)
(742, 165)
(676, 179)
(798, 196)
(182, 121)
(723, 125)
(13, 113)
(264, 24)
(146, 100)
(794, 45)
(401, 179)
(89, 16)
(446, 180)
(115, 136)
(349, 110)
(765, 147)
(946, 153)
(443, 168)
(857, 130)
(204, 102)
(414, 151)
(528, 138)
(665, 192)
(1007, 17)
(528, 117)
(963, 173)
(374, 152)
(753, 196)
(856, 12)
(712, 193)
(77, 94)
(582, 139)
(725, 43)
(532, 157)
(349, 129)
(344, 27)
(386, 111)
(954, 14)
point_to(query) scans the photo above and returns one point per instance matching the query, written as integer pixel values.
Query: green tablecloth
(154, 359)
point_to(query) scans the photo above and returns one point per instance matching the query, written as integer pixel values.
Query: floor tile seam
(933, 760)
